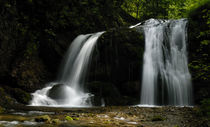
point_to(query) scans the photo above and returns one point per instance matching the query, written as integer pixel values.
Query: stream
(116, 116)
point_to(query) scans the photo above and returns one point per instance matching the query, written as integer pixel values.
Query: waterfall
(71, 77)
(166, 79)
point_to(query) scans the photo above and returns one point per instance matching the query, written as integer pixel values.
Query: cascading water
(71, 76)
(166, 79)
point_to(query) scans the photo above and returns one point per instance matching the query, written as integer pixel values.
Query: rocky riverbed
(103, 117)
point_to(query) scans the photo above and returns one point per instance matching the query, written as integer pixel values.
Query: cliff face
(34, 35)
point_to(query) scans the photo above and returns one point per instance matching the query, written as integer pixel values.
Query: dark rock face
(118, 59)
(106, 92)
(5, 99)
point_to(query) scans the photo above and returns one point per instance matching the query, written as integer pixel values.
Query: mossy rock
(5, 100)
(44, 118)
(21, 96)
(55, 121)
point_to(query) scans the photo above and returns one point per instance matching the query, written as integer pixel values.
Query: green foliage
(205, 107)
(171, 9)
(144, 9)
(199, 41)
(200, 69)
(194, 4)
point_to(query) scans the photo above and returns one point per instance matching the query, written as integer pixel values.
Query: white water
(166, 78)
(72, 75)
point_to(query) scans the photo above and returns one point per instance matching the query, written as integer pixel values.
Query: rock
(44, 118)
(117, 60)
(56, 92)
(118, 57)
(56, 121)
(131, 89)
(29, 73)
(75, 118)
(20, 95)
(104, 91)
(5, 100)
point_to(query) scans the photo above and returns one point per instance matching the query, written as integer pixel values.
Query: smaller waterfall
(71, 77)
(166, 78)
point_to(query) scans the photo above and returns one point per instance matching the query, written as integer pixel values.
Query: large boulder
(56, 91)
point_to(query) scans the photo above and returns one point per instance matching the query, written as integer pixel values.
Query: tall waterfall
(71, 77)
(166, 79)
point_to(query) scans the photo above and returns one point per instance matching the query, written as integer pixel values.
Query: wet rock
(56, 92)
(118, 59)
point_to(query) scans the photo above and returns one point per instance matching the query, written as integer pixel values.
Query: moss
(13, 118)
(75, 118)
(68, 118)
(157, 118)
